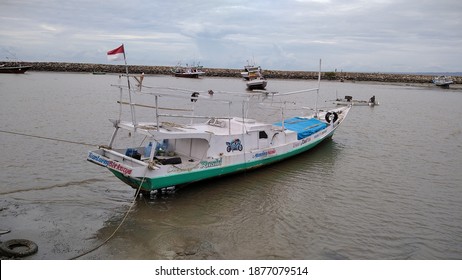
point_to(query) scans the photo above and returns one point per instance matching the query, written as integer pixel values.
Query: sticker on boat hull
(234, 145)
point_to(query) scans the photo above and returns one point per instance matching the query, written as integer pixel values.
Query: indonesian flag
(116, 54)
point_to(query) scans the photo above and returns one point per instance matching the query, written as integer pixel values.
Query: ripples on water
(387, 186)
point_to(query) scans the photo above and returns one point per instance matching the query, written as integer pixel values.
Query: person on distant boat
(372, 100)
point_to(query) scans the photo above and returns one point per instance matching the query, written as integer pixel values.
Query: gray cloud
(358, 35)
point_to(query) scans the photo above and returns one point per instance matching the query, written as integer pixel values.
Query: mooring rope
(48, 138)
(92, 145)
(120, 224)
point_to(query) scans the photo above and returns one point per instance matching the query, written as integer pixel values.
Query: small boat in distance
(188, 71)
(13, 66)
(256, 83)
(248, 69)
(442, 81)
(14, 69)
(175, 152)
(348, 100)
(256, 79)
(98, 73)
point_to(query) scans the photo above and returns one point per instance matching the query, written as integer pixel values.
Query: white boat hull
(204, 154)
(442, 81)
(256, 84)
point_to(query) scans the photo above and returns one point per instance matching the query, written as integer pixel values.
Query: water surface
(387, 186)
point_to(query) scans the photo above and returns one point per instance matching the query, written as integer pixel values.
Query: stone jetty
(218, 72)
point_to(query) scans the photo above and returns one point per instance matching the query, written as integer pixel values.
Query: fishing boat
(248, 69)
(204, 146)
(188, 71)
(442, 81)
(256, 80)
(348, 100)
(14, 69)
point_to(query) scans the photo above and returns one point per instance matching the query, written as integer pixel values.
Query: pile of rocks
(217, 72)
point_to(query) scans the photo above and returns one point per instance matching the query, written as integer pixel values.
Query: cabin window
(263, 135)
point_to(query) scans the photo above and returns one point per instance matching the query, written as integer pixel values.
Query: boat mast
(317, 90)
(157, 113)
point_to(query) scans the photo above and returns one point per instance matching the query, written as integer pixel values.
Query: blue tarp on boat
(303, 127)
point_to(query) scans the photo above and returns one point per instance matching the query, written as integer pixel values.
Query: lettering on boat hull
(98, 159)
(265, 153)
(213, 163)
(119, 167)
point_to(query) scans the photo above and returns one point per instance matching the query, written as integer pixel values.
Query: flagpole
(132, 107)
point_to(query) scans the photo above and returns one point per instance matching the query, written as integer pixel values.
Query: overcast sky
(348, 35)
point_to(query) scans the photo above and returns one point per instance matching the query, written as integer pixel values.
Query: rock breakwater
(219, 72)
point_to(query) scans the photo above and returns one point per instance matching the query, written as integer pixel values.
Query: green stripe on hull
(149, 184)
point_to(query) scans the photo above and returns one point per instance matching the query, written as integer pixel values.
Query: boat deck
(303, 126)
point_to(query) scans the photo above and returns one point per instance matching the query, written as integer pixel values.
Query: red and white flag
(116, 54)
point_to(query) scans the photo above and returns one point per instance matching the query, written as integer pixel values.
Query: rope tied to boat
(92, 145)
(48, 138)
(121, 222)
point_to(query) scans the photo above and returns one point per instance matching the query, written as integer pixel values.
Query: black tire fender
(7, 248)
(335, 117)
(328, 117)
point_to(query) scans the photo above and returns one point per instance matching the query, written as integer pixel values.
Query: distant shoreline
(218, 72)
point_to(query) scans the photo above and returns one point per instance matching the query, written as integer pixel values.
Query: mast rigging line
(120, 224)
(244, 94)
(152, 107)
(180, 96)
(48, 138)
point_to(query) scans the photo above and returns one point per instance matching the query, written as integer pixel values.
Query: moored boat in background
(442, 81)
(255, 79)
(248, 69)
(348, 100)
(188, 71)
(14, 69)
